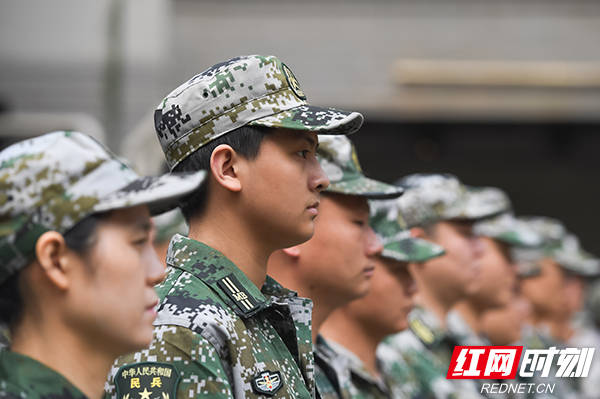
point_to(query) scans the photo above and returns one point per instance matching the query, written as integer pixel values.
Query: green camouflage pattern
(221, 332)
(23, 377)
(332, 372)
(363, 384)
(390, 227)
(337, 156)
(432, 198)
(53, 181)
(539, 338)
(572, 257)
(508, 229)
(247, 90)
(558, 244)
(426, 348)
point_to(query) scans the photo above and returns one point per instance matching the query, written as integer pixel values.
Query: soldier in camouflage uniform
(497, 277)
(224, 328)
(77, 268)
(335, 266)
(561, 264)
(355, 330)
(440, 209)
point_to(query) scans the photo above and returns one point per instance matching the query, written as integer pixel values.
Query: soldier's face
(503, 325)
(338, 262)
(281, 188)
(453, 275)
(546, 292)
(384, 310)
(497, 279)
(112, 298)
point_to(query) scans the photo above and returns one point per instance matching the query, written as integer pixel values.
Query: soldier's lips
(313, 208)
(368, 271)
(152, 307)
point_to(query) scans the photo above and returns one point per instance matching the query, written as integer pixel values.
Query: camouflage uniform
(564, 248)
(398, 245)
(337, 156)
(332, 372)
(50, 183)
(221, 334)
(24, 377)
(218, 332)
(427, 347)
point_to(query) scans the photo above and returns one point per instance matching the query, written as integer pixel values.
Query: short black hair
(245, 140)
(80, 238)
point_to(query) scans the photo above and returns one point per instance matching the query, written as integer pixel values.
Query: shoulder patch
(267, 383)
(423, 332)
(238, 294)
(148, 380)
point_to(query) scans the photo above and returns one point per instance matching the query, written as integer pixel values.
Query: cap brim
(365, 187)
(160, 193)
(412, 249)
(314, 119)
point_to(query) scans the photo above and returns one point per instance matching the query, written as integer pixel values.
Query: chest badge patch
(148, 380)
(267, 383)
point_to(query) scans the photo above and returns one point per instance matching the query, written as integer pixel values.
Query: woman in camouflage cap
(77, 268)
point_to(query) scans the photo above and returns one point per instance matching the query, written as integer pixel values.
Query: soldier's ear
(224, 164)
(293, 252)
(54, 258)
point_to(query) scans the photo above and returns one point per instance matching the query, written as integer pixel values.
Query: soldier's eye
(303, 153)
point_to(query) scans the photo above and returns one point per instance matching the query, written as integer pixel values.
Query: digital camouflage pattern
(53, 181)
(23, 377)
(363, 384)
(390, 227)
(426, 347)
(337, 156)
(248, 90)
(558, 244)
(332, 372)
(222, 334)
(432, 198)
(571, 256)
(508, 229)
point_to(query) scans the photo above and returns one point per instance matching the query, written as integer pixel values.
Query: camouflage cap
(508, 229)
(572, 257)
(390, 227)
(560, 245)
(53, 181)
(338, 159)
(432, 198)
(248, 90)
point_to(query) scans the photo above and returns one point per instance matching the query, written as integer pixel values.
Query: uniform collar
(357, 366)
(426, 326)
(223, 276)
(30, 376)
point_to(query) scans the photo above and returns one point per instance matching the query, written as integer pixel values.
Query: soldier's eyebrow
(313, 143)
(144, 225)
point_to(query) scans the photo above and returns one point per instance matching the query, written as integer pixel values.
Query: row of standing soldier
(369, 286)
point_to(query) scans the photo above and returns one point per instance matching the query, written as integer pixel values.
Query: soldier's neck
(234, 239)
(80, 361)
(429, 301)
(351, 335)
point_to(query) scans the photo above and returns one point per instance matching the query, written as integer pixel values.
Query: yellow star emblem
(146, 394)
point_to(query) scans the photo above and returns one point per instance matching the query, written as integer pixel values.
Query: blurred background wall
(499, 92)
